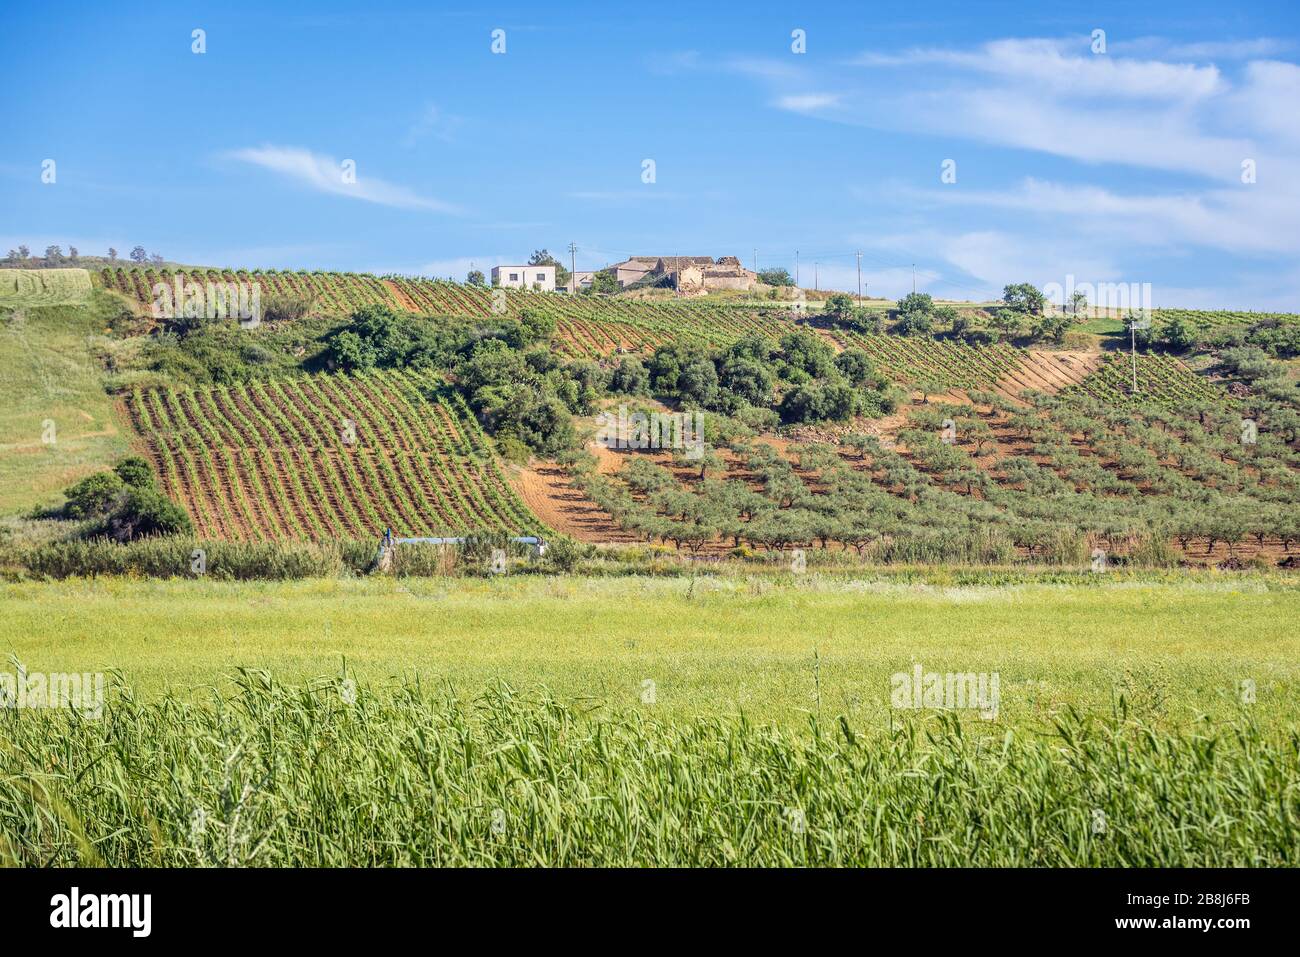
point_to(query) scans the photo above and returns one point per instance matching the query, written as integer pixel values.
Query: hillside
(986, 452)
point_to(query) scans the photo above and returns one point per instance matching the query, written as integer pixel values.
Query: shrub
(135, 471)
(563, 553)
(513, 450)
(141, 512)
(93, 496)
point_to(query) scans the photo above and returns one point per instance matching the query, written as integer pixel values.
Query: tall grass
(183, 557)
(328, 774)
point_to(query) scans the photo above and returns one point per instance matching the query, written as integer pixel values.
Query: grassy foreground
(325, 775)
(732, 721)
(774, 649)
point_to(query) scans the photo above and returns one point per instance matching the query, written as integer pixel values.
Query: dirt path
(402, 298)
(552, 497)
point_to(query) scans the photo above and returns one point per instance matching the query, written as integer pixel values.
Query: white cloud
(1241, 219)
(806, 102)
(1202, 51)
(1053, 66)
(325, 174)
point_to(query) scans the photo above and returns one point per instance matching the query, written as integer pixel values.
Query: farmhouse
(540, 278)
(580, 280)
(693, 275)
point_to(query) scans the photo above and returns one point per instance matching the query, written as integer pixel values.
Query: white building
(541, 278)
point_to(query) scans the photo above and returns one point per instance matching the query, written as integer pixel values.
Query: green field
(57, 424)
(44, 287)
(1122, 736)
(775, 650)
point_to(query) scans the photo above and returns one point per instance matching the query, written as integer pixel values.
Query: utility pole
(756, 259)
(816, 284)
(1136, 321)
(796, 269)
(859, 277)
(573, 267)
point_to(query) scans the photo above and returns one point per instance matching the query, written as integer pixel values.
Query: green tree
(542, 257)
(93, 496)
(1024, 297)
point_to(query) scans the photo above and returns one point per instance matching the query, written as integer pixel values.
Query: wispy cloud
(325, 174)
(620, 197)
(1056, 66)
(434, 122)
(1210, 50)
(806, 102)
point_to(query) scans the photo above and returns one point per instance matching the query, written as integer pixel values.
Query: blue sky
(1122, 166)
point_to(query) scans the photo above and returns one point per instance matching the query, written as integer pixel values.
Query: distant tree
(23, 252)
(72, 253)
(1176, 335)
(157, 259)
(916, 302)
(947, 316)
(145, 511)
(1024, 297)
(602, 283)
(775, 277)
(915, 314)
(476, 278)
(1078, 302)
(54, 254)
(543, 257)
(698, 383)
(13, 254)
(112, 254)
(1052, 327)
(1007, 324)
(139, 255)
(839, 307)
(856, 366)
(630, 378)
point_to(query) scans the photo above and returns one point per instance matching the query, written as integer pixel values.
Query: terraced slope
(324, 456)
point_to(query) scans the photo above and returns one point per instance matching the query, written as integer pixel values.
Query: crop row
(952, 365)
(1160, 378)
(327, 456)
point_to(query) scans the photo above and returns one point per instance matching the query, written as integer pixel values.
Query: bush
(93, 496)
(141, 512)
(135, 471)
(630, 378)
(563, 553)
(513, 450)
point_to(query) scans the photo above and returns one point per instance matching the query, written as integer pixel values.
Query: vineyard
(336, 293)
(586, 327)
(327, 456)
(1159, 379)
(947, 365)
